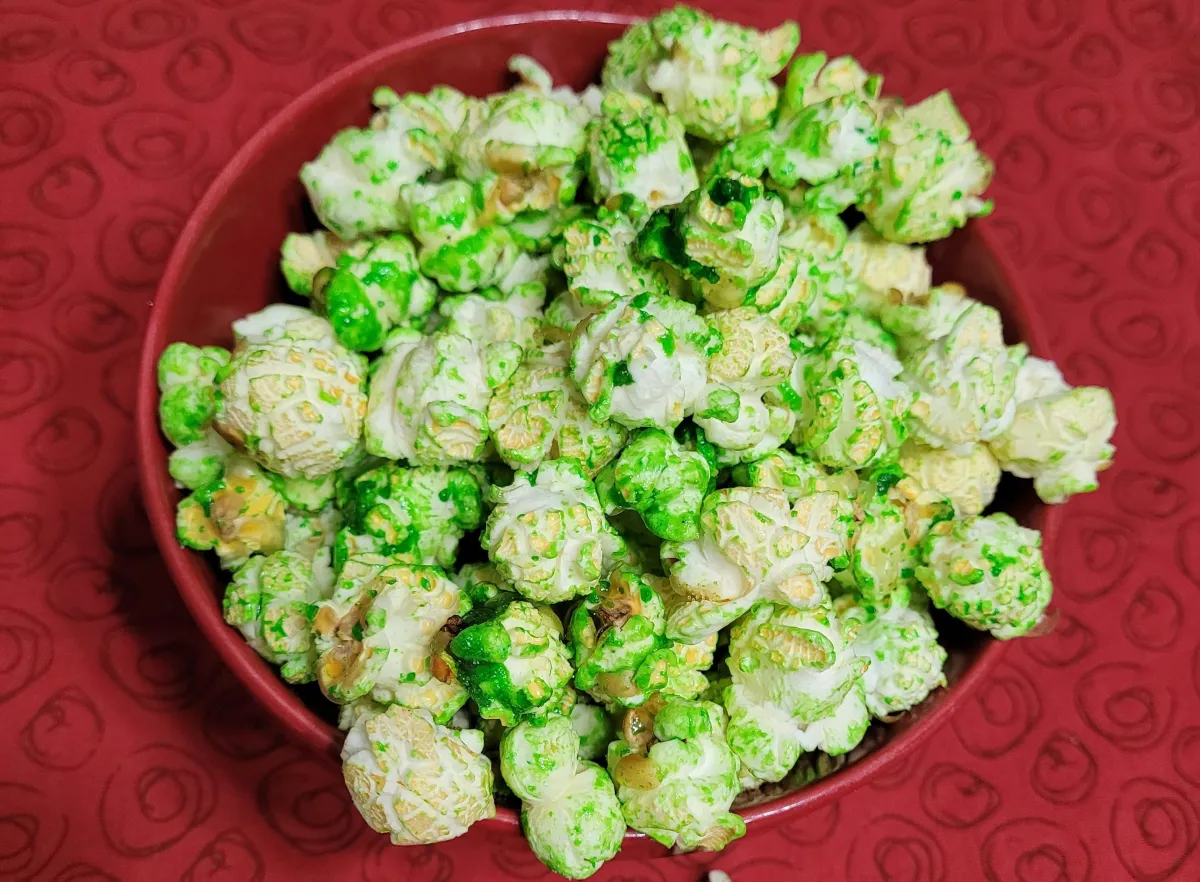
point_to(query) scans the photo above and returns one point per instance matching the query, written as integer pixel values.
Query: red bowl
(225, 265)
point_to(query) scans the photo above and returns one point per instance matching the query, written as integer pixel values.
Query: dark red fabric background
(126, 752)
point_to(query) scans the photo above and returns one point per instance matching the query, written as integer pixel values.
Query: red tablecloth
(128, 753)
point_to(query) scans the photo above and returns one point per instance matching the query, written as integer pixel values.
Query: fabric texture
(131, 754)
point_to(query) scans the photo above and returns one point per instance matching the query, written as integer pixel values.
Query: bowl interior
(226, 265)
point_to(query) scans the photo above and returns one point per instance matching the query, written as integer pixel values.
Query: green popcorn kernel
(724, 238)
(660, 479)
(569, 810)
(240, 514)
(480, 584)
(539, 757)
(444, 109)
(965, 382)
(428, 399)
(676, 776)
(310, 495)
(692, 620)
(859, 326)
(788, 294)
(548, 535)
(798, 659)
(764, 738)
(510, 657)
(829, 144)
(458, 249)
(716, 76)
(988, 572)
(297, 326)
(795, 475)
(387, 644)
(485, 642)
(742, 409)
(781, 421)
(823, 289)
(886, 273)
(630, 58)
(919, 320)
(614, 633)
(303, 256)
(641, 361)
(563, 314)
(538, 414)
(969, 478)
(1059, 435)
(754, 545)
(199, 463)
(538, 231)
(363, 708)
(901, 643)
(193, 529)
(415, 779)
(930, 176)
(313, 536)
(269, 601)
(292, 398)
(536, 80)
(681, 667)
(416, 515)
(525, 152)
(354, 184)
(596, 256)
(854, 406)
(370, 293)
(925, 511)
(355, 568)
(594, 728)
(811, 80)
(791, 669)
(187, 405)
(503, 326)
(841, 731)
(638, 156)
(882, 553)
(576, 833)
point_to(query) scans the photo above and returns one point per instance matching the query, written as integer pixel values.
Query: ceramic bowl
(225, 265)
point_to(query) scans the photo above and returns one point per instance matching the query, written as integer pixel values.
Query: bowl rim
(262, 681)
